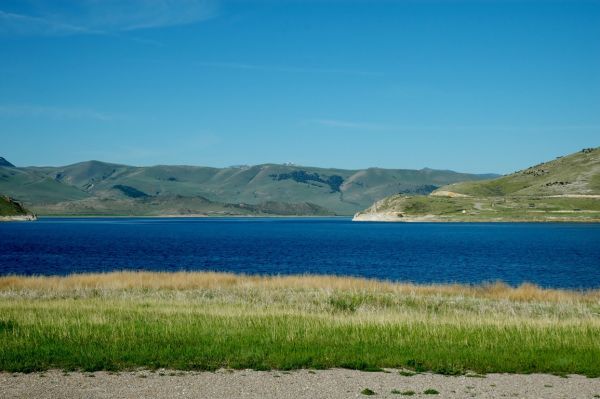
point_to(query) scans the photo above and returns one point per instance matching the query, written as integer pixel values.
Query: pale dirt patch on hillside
(330, 384)
(445, 193)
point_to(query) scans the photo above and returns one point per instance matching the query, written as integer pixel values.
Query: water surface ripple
(551, 255)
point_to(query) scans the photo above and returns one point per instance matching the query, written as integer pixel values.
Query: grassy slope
(176, 205)
(10, 208)
(484, 209)
(579, 173)
(539, 193)
(34, 187)
(74, 189)
(207, 321)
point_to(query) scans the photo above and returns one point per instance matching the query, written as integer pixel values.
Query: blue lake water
(551, 255)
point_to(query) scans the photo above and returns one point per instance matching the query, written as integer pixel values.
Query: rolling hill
(575, 174)
(564, 189)
(99, 188)
(13, 210)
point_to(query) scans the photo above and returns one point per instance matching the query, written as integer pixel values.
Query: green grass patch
(407, 373)
(471, 375)
(9, 207)
(294, 328)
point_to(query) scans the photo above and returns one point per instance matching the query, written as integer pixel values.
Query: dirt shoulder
(336, 383)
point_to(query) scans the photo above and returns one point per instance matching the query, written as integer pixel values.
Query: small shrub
(7, 326)
(408, 393)
(344, 303)
(475, 376)
(368, 392)
(448, 370)
(431, 392)
(416, 365)
(361, 365)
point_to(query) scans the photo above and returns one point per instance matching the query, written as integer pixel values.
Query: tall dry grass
(128, 280)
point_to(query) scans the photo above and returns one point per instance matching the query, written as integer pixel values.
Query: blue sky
(476, 86)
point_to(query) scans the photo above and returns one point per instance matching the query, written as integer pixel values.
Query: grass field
(206, 321)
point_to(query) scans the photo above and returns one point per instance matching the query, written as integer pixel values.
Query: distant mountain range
(564, 189)
(99, 188)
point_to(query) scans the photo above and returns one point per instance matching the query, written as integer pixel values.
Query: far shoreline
(335, 217)
(194, 216)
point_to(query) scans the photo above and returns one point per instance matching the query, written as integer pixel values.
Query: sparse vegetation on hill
(578, 173)
(565, 189)
(11, 208)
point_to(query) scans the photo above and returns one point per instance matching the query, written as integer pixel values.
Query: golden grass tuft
(134, 280)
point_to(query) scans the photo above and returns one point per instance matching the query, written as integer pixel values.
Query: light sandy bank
(20, 218)
(392, 217)
(336, 383)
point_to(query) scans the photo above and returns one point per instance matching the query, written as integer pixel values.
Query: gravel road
(336, 383)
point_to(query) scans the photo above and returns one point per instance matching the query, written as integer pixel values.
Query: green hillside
(574, 174)
(565, 189)
(10, 208)
(178, 205)
(95, 187)
(36, 188)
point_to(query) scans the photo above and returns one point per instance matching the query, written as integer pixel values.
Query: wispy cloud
(350, 125)
(60, 113)
(102, 17)
(179, 149)
(344, 124)
(285, 68)
(20, 24)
